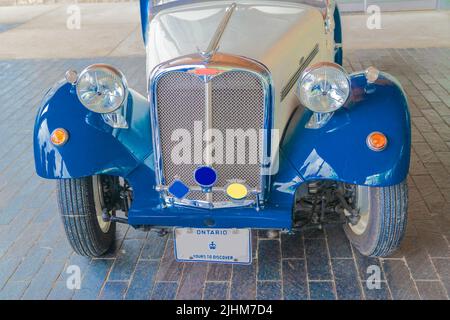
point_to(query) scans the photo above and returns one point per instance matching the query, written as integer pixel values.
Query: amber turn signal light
(377, 141)
(59, 137)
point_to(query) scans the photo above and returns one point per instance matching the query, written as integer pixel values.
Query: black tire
(386, 222)
(78, 211)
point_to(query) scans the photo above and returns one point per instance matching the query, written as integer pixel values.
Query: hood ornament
(213, 46)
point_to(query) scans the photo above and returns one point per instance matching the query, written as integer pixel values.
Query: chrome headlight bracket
(318, 120)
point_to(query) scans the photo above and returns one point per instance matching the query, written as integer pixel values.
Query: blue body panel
(337, 151)
(147, 209)
(93, 147)
(144, 9)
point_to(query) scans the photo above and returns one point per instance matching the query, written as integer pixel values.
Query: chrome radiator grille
(237, 102)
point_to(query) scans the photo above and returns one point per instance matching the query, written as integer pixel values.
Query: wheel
(81, 203)
(383, 218)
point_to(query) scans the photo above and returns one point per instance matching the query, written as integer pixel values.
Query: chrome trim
(208, 118)
(215, 40)
(225, 62)
(208, 122)
(318, 120)
(304, 63)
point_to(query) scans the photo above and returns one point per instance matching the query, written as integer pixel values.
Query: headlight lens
(101, 88)
(324, 87)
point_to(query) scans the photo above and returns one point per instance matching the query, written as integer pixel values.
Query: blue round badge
(205, 176)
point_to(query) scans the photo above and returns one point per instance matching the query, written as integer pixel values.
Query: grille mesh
(237, 103)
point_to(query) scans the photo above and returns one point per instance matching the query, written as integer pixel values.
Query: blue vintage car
(250, 122)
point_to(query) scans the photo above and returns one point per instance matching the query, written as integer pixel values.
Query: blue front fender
(338, 151)
(93, 146)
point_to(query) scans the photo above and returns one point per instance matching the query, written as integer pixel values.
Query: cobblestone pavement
(34, 253)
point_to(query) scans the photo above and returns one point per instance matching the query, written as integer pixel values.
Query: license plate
(213, 245)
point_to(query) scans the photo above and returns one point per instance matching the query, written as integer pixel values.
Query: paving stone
(164, 291)
(154, 246)
(317, 261)
(417, 258)
(346, 279)
(192, 282)
(400, 282)
(292, 245)
(431, 238)
(425, 153)
(13, 290)
(431, 290)
(313, 233)
(7, 268)
(269, 290)
(133, 233)
(442, 266)
(219, 272)
(75, 262)
(243, 282)
(322, 290)
(377, 291)
(338, 243)
(114, 290)
(216, 291)
(294, 279)
(44, 280)
(269, 263)
(60, 292)
(143, 279)
(30, 265)
(365, 265)
(444, 157)
(169, 269)
(93, 279)
(126, 261)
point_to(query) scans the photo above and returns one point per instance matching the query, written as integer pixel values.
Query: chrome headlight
(324, 87)
(101, 88)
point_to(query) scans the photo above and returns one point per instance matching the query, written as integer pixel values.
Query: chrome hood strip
(303, 64)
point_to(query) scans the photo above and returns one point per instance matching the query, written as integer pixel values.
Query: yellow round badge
(237, 191)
